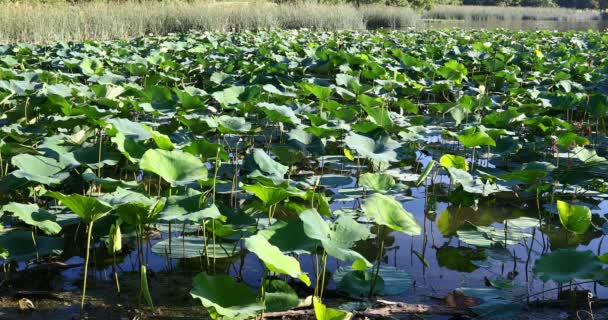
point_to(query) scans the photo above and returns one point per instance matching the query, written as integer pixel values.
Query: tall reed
(31, 22)
(489, 13)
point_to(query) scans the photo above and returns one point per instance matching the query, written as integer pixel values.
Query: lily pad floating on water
(566, 265)
(193, 247)
(392, 281)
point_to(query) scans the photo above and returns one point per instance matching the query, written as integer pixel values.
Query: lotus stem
(86, 268)
(378, 260)
(324, 268)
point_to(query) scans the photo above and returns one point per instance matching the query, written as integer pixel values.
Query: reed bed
(40, 23)
(490, 13)
(60, 21)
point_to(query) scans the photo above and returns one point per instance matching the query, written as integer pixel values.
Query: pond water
(581, 25)
(437, 261)
(492, 238)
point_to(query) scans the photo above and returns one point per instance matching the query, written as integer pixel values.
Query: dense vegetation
(579, 4)
(251, 156)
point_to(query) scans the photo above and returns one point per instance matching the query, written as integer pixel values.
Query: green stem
(378, 260)
(86, 268)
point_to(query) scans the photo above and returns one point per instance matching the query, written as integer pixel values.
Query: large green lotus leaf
(380, 182)
(473, 185)
(122, 196)
(228, 124)
(566, 265)
(288, 155)
(211, 212)
(207, 150)
(382, 149)
(522, 223)
(129, 129)
(453, 70)
(192, 247)
(269, 195)
(333, 237)
(20, 245)
(329, 180)
(387, 211)
(10, 149)
(574, 218)
(475, 237)
(262, 162)
(279, 296)
(320, 92)
(289, 237)
(302, 139)
(475, 137)
(108, 184)
(379, 115)
(162, 140)
(274, 259)
(322, 312)
(140, 214)
(346, 231)
(176, 167)
(88, 208)
(274, 90)
(90, 156)
(40, 169)
(357, 283)
(394, 281)
(176, 207)
(225, 298)
(489, 236)
(130, 148)
(229, 96)
(531, 172)
(278, 113)
(315, 226)
(587, 156)
(454, 161)
(33, 215)
(91, 66)
(159, 100)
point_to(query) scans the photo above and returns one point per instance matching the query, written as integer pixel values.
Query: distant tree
(579, 4)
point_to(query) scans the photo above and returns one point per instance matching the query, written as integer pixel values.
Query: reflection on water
(450, 262)
(516, 24)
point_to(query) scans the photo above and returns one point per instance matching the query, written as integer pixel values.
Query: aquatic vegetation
(277, 166)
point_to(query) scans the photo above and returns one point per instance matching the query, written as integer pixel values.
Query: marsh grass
(41, 23)
(489, 13)
(97, 20)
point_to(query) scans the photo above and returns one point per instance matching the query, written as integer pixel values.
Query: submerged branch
(382, 309)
